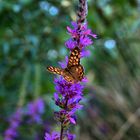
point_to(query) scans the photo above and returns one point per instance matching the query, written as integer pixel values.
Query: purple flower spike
(11, 133)
(68, 95)
(35, 110)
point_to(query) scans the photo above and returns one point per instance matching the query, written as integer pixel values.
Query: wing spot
(50, 68)
(73, 53)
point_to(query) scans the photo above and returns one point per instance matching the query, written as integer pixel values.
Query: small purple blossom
(63, 64)
(85, 53)
(53, 136)
(11, 133)
(70, 136)
(71, 44)
(35, 110)
(66, 117)
(56, 136)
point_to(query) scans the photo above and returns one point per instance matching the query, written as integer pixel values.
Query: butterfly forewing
(67, 76)
(74, 58)
(55, 70)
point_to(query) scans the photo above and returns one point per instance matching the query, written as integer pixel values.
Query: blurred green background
(32, 36)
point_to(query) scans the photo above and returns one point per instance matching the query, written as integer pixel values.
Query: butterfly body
(74, 72)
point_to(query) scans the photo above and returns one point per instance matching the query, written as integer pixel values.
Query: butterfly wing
(55, 70)
(77, 72)
(74, 67)
(67, 76)
(74, 58)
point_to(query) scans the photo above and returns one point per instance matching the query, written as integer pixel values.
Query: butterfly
(74, 72)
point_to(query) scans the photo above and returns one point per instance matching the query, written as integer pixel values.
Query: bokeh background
(32, 36)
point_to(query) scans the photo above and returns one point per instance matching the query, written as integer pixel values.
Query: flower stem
(61, 132)
(62, 128)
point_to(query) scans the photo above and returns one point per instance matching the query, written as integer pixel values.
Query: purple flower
(83, 35)
(35, 110)
(85, 53)
(70, 136)
(68, 90)
(11, 133)
(63, 64)
(71, 103)
(71, 44)
(53, 136)
(65, 117)
(85, 41)
(56, 136)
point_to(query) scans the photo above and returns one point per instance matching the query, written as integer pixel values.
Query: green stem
(37, 80)
(23, 87)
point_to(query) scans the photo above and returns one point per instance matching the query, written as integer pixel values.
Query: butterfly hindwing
(74, 58)
(77, 72)
(68, 77)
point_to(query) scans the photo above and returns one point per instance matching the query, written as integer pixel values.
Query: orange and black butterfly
(74, 72)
